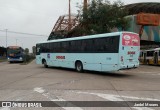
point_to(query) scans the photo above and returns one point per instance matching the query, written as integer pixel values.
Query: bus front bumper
(11, 59)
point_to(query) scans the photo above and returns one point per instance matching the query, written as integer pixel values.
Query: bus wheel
(79, 66)
(45, 64)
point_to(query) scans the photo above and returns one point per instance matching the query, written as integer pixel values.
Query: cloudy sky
(35, 17)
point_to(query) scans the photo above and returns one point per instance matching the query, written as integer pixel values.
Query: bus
(151, 56)
(100, 52)
(15, 54)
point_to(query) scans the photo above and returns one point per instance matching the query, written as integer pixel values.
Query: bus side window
(113, 42)
(150, 53)
(43, 50)
(65, 47)
(72, 46)
(90, 45)
(83, 46)
(52, 48)
(98, 45)
(57, 47)
(107, 45)
(48, 47)
(78, 45)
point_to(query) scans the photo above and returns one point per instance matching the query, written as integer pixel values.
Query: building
(150, 37)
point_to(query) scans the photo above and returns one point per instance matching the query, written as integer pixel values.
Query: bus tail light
(121, 58)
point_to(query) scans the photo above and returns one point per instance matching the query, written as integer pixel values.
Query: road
(35, 83)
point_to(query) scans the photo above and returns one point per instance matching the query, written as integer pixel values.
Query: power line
(24, 37)
(24, 33)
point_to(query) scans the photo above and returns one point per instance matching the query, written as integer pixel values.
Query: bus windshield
(14, 51)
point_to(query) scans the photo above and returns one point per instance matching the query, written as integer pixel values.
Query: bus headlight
(20, 58)
(8, 58)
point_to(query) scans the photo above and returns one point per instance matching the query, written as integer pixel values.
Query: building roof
(146, 7)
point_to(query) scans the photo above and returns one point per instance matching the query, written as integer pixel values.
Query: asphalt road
(35, 83)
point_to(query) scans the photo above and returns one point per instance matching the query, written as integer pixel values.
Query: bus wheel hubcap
(79, 67)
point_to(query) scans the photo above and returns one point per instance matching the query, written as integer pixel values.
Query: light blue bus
(100, 52)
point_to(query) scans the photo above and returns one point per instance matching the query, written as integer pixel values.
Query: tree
(101, 17)
(3, 51)
(34, 50)
(26, 51)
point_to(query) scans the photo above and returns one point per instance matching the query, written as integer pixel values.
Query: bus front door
(156, 58)
(145, 60)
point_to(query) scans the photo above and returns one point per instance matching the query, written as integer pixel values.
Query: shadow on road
(15, 62)
(107, 74)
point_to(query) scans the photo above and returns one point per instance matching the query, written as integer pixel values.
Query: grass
(3, 59)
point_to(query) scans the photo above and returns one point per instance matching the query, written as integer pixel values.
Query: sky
(35, 17)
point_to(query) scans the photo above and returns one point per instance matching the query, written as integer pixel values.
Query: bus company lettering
(131, 52)
(60, 57)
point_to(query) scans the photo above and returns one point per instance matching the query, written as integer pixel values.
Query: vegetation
(101, 16)
(34, 50)
(3, 51)
(27, 56)
(3, 59)
(28, 59)
(26, 51)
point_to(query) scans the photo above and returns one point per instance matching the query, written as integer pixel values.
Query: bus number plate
(131, 55)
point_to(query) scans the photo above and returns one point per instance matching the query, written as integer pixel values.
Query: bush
(28, 58)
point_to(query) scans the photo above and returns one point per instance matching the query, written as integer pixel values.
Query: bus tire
(45, 63)
(79, 66)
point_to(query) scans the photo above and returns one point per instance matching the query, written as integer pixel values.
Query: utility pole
(69, 20)
(85, 5)
(6, 37)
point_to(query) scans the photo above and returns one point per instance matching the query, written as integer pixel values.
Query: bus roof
(87, 37)
(14, 47)
(157, 49)
(151, 49)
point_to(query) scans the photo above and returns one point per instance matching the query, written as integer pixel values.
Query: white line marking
(155, 74)
(39, 90)
(117, 97)
(112, 97)
(105, 96)
(47, 95)
(5, 108)
(144, 108)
